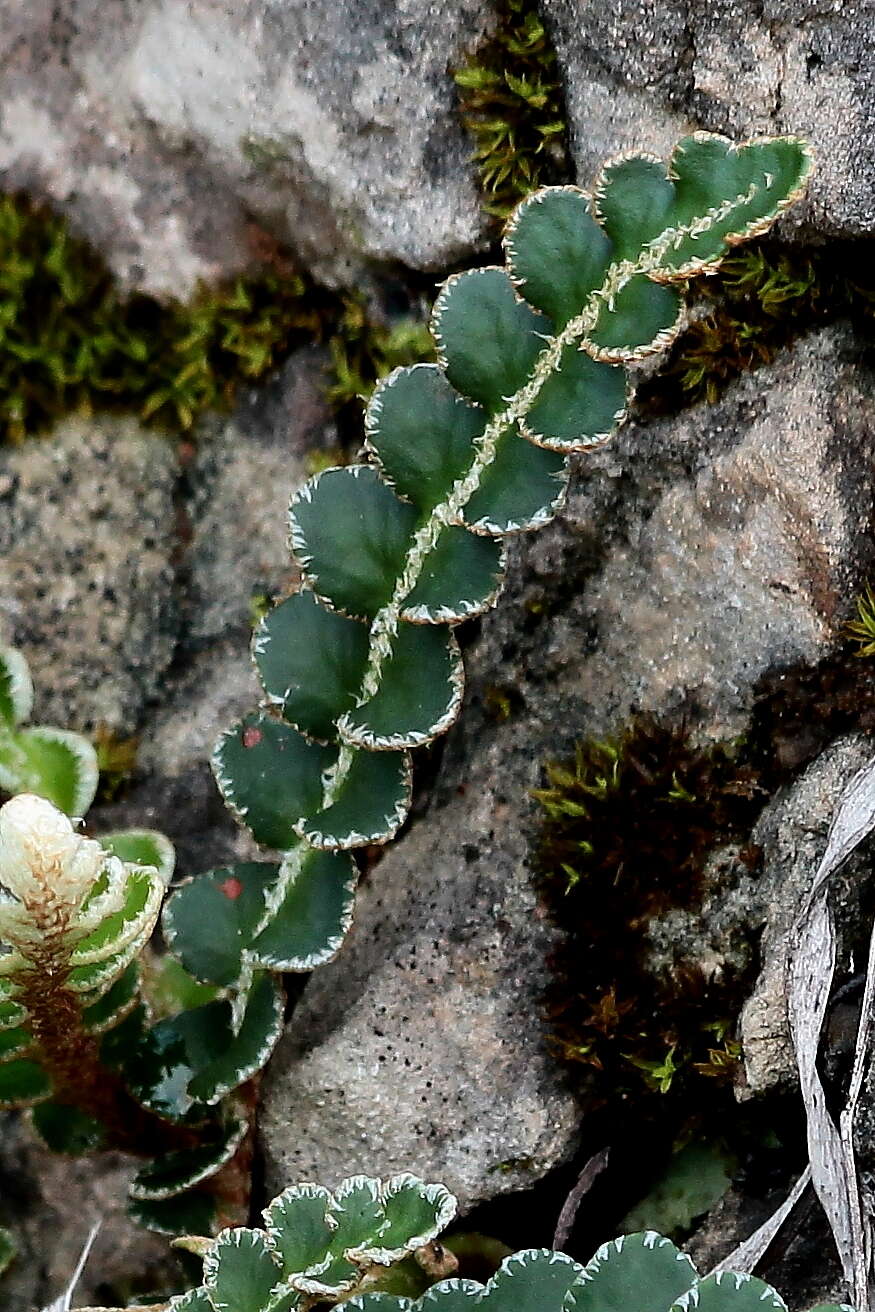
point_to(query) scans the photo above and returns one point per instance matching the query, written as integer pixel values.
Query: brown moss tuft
(762, 298)
(629, 826)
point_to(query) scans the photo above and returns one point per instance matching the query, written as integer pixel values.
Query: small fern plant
(319, 1248)
(362, 665)
(75, 916)
(359, 668)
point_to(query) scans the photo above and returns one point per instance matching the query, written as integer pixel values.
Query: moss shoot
(512, 104)
(861, 630)
(762, 298)
(70, 339)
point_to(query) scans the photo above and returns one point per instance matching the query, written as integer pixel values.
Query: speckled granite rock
(87, 545)
(638, 74)
(422, 1048)
(696, 553)
(239, 484)
(172, 131)
(234, 497)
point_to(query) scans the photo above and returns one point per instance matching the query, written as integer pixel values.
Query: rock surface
(696, 554)
(422, 1047)
(87, 572)
(127, 579)
(638, 74)
(176, 133)
(50, 1203)
(233, 505)
(792, 832)
(171, 133)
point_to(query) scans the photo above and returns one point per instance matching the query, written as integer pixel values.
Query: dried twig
(750, 1251)
(585, 1181)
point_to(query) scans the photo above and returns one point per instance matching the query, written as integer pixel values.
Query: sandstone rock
(87, 544)
(166, 132)
(639, 74)
(696, 554)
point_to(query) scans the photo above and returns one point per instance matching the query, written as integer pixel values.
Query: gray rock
(792, 832)
(639, 74)
(244, 470)
(696, 554)
(422, 1048)
(171, 133)
(50, 1203)
(719, 936)
(87, 546)
(173, 788)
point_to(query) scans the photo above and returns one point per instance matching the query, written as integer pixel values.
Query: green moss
(71, 340)
(628, 828)
(116, 760)
(762, 298)
(862, 630)
(264, 153)
(500, 702)
(511, 102)
(363, 352)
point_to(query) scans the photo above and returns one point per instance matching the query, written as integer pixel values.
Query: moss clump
(628, 828)
(363, 352)
(511, 102)
(69, 338)
(116, 761)
(862, 630)
(762, 298)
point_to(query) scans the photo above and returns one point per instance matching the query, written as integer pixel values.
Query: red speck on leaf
(251, 737)
(232, 888)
